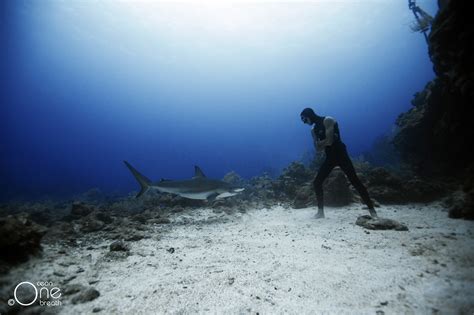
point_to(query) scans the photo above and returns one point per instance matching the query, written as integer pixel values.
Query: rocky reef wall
(436, 135)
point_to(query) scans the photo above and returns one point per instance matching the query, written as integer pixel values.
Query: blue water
(88, 84)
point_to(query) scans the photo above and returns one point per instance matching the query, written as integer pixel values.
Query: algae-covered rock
(370, 223)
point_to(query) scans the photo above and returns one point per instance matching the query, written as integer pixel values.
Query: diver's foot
(373, 213)
(319, 215)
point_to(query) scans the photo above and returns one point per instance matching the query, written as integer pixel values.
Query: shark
(198, 187)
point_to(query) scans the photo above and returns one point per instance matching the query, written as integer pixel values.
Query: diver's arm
(329, 123)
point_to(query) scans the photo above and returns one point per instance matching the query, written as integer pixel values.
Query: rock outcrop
(20, 237)
(461, 203)
(336, 190)
(435, 134)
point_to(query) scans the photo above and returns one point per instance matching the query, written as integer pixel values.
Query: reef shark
(198, 187)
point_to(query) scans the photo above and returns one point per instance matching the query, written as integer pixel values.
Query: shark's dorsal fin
(165, 180)
(198, 173)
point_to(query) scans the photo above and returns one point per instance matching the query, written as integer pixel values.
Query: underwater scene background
(166, 86)
(273, 228)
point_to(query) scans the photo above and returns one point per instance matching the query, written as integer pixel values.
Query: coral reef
(387, 187)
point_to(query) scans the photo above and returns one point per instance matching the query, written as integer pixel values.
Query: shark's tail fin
(142, 180)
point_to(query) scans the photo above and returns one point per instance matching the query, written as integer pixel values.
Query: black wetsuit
(336, 155)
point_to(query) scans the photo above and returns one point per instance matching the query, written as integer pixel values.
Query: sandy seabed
(279, 260)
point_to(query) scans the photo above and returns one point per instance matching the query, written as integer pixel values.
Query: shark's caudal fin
(142, 180)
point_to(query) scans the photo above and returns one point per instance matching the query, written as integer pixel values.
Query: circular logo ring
(16, 298)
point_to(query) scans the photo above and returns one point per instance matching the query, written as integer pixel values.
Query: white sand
(284, 261)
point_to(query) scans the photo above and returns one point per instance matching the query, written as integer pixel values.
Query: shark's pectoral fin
(212, 197)
(225, 195)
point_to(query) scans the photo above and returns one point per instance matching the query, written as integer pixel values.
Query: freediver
(326, 136)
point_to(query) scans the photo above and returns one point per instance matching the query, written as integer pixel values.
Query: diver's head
(308, 116)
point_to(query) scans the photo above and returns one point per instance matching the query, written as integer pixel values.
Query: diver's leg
(346, 165)
(323, 172)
